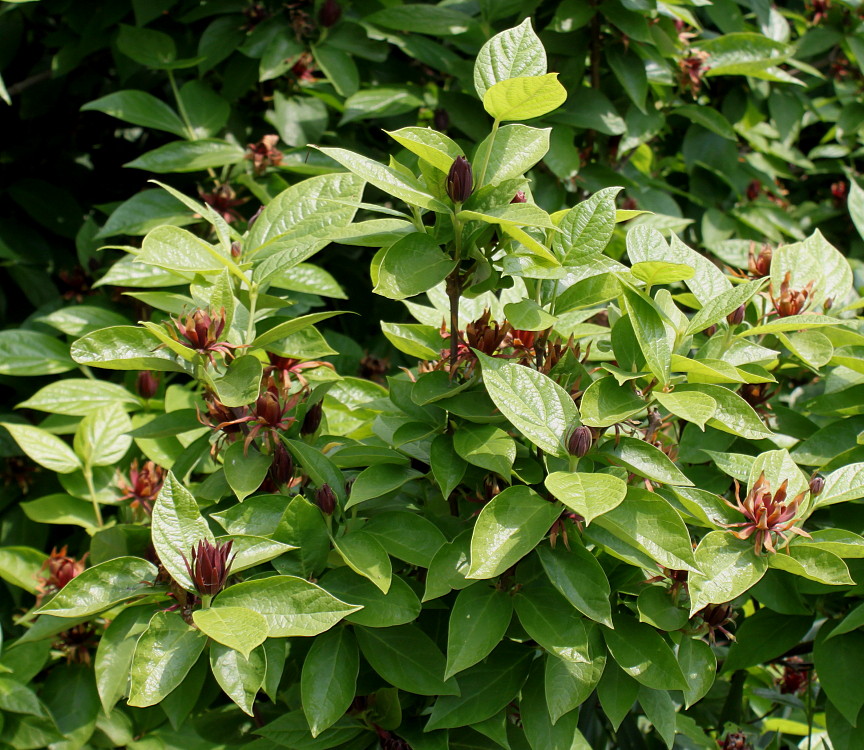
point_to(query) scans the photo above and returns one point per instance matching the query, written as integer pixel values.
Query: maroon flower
(325, 499)
(264, 153)
(760, 265)
(224, 200)
(580, 441)
(460, 181)
(61, 568)
(791, 301)
(716, 617)
(766, 514)
(519, 197)
(210, 566)
(201, 331)
(143, 485)
(147, 384)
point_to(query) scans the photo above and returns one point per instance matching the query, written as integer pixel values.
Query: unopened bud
(146, 384)
(460, 181)
(828, 304)
(710, 330)
(209, 566)
(441, 120)
(312, 419)
(282, 468)
(580, 441)
(236, 250)
(519, 197)
(330, 13)
(736, 317)
(817, 484)
(325, 499)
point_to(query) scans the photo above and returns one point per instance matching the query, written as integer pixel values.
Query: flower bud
(236, 250)
(312, 420)
(254, 217)
(580, 441)
(441, 120)
(210, 566)
(736, 317)
(330, 13)
(710, 330)
(325, 499)
(460, 181)
(146, 384)
(519, 197)
(817, 484)
(828, 304)
(282, 468)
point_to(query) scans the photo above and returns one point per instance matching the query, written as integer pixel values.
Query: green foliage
(633, 431)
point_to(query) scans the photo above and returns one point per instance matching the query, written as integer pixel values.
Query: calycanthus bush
(544, 535)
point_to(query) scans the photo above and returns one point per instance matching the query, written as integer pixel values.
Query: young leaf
(513, 53)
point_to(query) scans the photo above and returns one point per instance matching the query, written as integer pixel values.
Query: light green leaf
(177, 526)
(536, 405)
(241, 383)
(486, 446)
(513, 53)
(412, 265)
(44, 448)
(244, 470)
(718, 308)
(378, 480)
(732, 413)
(693, 406)
(648, 324)
(238, 628)
(699, 666)
(78, 397)
(511, 152)
(436, 148)
(20, 566)
(524, 98)
(507, 529)
(364, 554)
(24, 353)
(728, 566)
(115, 650)
(588, 494)
(125, 348)
(101, 587)
(659, 272)
(189, 156)
(163, 656)
(792, 323)
(139, 108)
(605, 403)
(645, 460)
(241, 677)
(814, 564)
(102, 437)
(291, 605)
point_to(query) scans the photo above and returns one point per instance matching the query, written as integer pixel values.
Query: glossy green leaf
(692, 406)
(125, 348)
(643, 654)
(364, 554)
(412, 265)
(577, 575)
(329, 677)
(512, 53)
(115, 650)
(245, 469)
(699, 666)
(605, 403)
(44, 448)
(237, 628)
(478, 621)
(510, 152)
(524, 98)
(102, 437)
(139, 108)
(589, 495)
(240, 676)
(378, 480)
(728, 567)
(645, 460)
(189, 156)
(398, 606)
(407, 536)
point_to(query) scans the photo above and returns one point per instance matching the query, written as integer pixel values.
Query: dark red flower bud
(146, 384)
(519, 197)
(817, 484)
(828, 304)
(282, 468)
(441, 120)
(312, 420)
(460, 181)
(734, 741)
(210, 566)
(236, 250)
(330, 13)
(325, 499)
(580, 441)
(710, 330)
(736, 317)
(760, 265)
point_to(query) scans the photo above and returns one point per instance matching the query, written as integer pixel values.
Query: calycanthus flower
(209, 567)
(766, 514)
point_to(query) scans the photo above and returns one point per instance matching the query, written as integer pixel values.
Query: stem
(253, 304)
(454, 290)
(205, 601)
(184, 115)
(488, 153)
(97, 509)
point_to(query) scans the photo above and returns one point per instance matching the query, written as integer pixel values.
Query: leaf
(512, 53)
(845, 483)
(292, 730)
(605, 403)
(241, 677)
(617, 692)
(710, 119)
(486, 688)
(61, 509)
(101, 587)
(650, 332)
(643, 654)
(699, 667)
(115, 650)
(81, 319)
(412, 265)
(378, 480)
(125, 348)
(19, 699)
(364, 554)
(299, 220)
(139, 108)
(589, 495)
(436, 148)
(420, 341)
(649, 523)
(544, 614)
(329, 677)
(527, 315)
(24, 353)
(840, 661)
(585, 230)
(478, 621)
(339, 67)
(291, 605)
(728, 567)
(578, 576)
(189, 156)
(102, 437)
(423, 19)
(177, 526)
(507, 529)
(658, 272)
(732, 414)
(814, 564)
(537, 722)
(764, 636)
(743, 53)
(176, 249)
(386, 178)
(237, 628)
(792, 323)
(718, 308)
(20, 566)
(44, 448)
(486, 446)
(407, 658)
(692, 406)
(407, 536)
(398, 606)
(78, 397)
(511, 152)
(164, 654)
(645, 460)
(537, 406)
(244, 471)
(525, 97)
(657, 608)
(568, 683)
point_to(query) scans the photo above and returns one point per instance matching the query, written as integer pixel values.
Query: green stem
(97, 509)
(482, 176)
(253, 304)
(205, 601)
